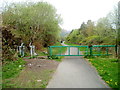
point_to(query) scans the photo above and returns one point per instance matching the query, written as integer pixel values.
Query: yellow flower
(115, 83)
(110, 79)
(107, 82)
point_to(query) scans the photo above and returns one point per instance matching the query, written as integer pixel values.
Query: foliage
(103, 31)
(12, 68)
(9, 44)
(71, 44)
(73, 36)
(33, 22)
(107, 68)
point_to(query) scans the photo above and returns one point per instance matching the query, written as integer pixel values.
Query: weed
(107, 68)
(11, 70)
(44, 84)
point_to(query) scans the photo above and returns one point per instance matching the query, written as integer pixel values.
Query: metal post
(60, 50)
(31, 51)
(34, 50)
(78, 50)
(68, 50)
(23, 48)
(107, 51)
(90, 50)
(20, 50)
(87, 50)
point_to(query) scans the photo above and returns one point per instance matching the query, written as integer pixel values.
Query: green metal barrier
(107, 48)
(87, 52)
(50, 50)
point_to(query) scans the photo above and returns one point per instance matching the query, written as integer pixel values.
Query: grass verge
(11, 70)
(12, 78)
(107, 69)
(32, 79)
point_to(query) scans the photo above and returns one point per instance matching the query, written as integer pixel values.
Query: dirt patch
(40, 64)
(36, 74)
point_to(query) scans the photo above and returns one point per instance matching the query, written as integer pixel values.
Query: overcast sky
(74, 12)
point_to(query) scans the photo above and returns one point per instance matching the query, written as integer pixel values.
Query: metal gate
(93, 50)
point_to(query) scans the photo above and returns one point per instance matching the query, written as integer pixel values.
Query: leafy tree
(83, 29)
(9, 44)
(33, 22)
(90, 28)
(101, 33)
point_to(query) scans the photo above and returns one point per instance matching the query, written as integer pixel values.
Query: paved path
(76, 72)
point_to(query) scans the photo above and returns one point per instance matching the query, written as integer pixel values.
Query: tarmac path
(76, 72)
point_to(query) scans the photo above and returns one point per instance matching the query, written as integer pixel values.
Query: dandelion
(107, 82)
(110, 79)
(116, 83)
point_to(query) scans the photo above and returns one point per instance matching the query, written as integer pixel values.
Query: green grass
(71, 44)
(28, 79)
(107, 69)
(0, 78)
(11, 70)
